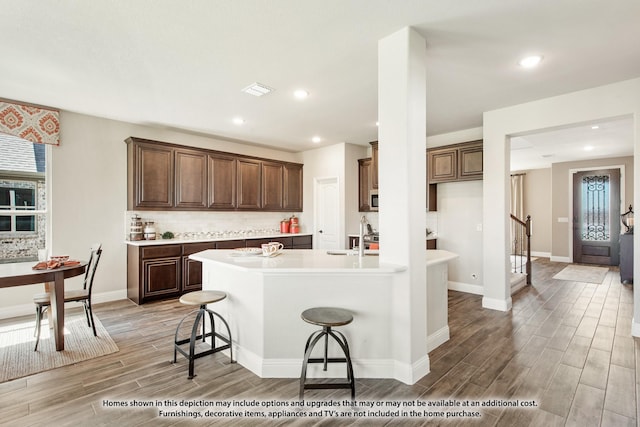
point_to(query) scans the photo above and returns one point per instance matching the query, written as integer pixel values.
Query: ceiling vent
(257, 89)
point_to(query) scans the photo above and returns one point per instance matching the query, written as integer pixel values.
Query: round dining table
(22, 273)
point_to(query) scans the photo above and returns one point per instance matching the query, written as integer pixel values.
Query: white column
(402, 188)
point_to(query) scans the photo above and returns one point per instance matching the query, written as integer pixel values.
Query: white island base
(265, 297)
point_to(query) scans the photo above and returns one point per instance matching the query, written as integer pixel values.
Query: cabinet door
(191, 275)
(249, 184)
(161, 276)
(153, 176)
(364, 184)
(191, 179)
(292, 187)
(272, 186)
(470, 162)
(374, 165)
(442, 166)
(223, 172)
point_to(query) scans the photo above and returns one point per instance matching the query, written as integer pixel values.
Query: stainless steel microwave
(373, 200)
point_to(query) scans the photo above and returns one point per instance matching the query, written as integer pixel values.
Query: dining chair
(43, 300)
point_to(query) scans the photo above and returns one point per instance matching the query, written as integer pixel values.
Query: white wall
(89, 197)
(341, 161)
(609, 101)
(459, 216)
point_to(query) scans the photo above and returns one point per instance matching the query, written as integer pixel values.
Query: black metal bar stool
(202, 298)
(327, 317)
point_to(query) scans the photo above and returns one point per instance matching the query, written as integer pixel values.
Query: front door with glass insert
(596, 217)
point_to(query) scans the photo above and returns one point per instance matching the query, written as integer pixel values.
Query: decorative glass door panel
(596, 209)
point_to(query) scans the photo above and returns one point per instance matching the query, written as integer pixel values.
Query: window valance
(35, 124)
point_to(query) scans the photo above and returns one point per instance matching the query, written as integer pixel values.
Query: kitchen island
(266, 296)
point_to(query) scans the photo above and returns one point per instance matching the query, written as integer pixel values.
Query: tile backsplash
(188, 222)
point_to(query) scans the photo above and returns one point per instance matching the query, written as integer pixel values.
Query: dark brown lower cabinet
(162, 276)
(166, 271)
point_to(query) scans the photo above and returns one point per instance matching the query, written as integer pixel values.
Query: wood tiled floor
(566, 345)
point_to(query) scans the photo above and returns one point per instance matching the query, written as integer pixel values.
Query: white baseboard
(541, 254)
(496, 304)
(363, 368)
(438, 338)
(635, 328)
(560, 259)
(466, 287)
(30, 309)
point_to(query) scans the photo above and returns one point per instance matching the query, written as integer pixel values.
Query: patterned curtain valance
(35, 124)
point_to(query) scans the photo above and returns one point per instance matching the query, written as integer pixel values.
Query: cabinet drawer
(256, 243)
(230, 244)
(302, 241)
(161, 251)
(192, 248)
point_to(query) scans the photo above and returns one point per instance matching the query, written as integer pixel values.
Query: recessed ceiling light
(588, 148)
(530, 61)
(257, 89)
(594, 127)
(316, 139)
(238, 120)
(301, 94)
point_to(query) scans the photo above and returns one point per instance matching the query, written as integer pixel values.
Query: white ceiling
(596, 140)
(182, 64)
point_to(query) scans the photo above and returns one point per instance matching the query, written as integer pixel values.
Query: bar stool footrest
(328, 360)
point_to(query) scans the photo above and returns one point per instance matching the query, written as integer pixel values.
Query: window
(23, 206)
(17, 196)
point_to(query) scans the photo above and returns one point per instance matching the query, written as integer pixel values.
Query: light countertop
(432, 236)
(313, 261)
(208, 239)
(300, 261)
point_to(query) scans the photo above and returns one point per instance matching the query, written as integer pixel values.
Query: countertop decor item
(168, 235)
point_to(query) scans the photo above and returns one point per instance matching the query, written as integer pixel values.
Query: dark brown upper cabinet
(249, 184)
(272, 186)
(470, 161)
(223, 173)
(292, 187)
(150, 176)
(457, 162)
(364, 184)
(191, 179)
(163, 176)
(374, 165)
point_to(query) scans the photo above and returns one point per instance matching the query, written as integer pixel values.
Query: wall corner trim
(635, 328)
(497, 304)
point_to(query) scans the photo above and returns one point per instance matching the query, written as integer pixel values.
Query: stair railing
(521, 235)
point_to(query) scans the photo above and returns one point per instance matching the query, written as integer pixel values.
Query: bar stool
(202, 298)
(327, 317)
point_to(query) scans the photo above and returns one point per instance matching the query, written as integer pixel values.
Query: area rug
(17, 358)
(582, 273)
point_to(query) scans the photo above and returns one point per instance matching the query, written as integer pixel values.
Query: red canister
(284, 226)
(295, 226)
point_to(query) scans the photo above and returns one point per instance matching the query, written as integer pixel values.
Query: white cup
(271, 248)
(277, 245)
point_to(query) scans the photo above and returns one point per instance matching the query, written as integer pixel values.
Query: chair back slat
(96, 252)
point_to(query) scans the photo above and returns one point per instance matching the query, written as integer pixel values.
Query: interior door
(596, 217)
(327, 214)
